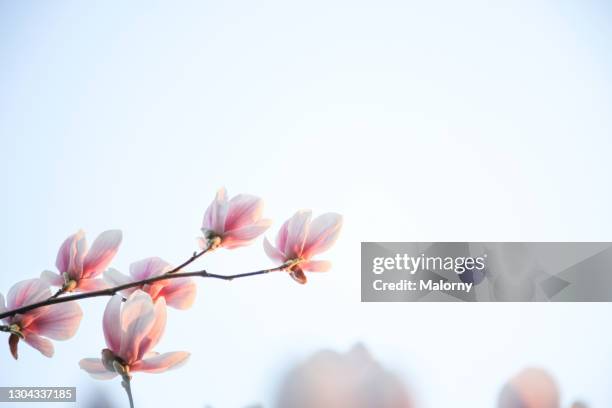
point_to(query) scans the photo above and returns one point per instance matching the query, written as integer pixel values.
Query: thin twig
(59, 292)
(195, 256)
(112, 291)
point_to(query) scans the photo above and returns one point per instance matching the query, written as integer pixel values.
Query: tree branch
(112, 291)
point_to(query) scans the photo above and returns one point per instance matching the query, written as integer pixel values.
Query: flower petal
(91, 285)
(40, 343)
(111, 323)
(281, 236)
(202, 243)
(137, 318)
(179, 293)
(272, 252)
(322, 234)
(115, 278)
(27, 292)
(78, 248)
(96, 369)
(52, 278)
(316, 266)
(58, 322)
(243, 236)
(101, 253)
(62, 262)
(161, 362)
(157, 329)
(243, 210)
(297, 231)
(2, 304)
(214, 217)
(148, 267)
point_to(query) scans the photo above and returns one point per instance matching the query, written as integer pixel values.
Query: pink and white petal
(243, 236)
(316, 266)
(150, 354)
(78, 249)
(52, 278)
(96, 369)
(101, 253)
(58, 322)
(243, 210)
(137, 319)
(62, 262)
(91, 285)
(281, 236)
(40, 343)
(180, 294)
(297, 231)
(323, 233)
(111, 323)
(272, 252)
(26, 319)
(115, 278)
(157, 329)
(148, 267)
(27, 292)
(154, 289)
(161, 362)
(214, 217)
(202, 243)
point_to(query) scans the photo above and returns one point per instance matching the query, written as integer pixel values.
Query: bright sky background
(419, 121)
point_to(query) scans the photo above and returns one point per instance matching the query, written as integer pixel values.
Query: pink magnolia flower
(299, 239)
(57, 322)
(79, 267)
(531, 388)
(178, 293)
(131, 330)
(232, 223)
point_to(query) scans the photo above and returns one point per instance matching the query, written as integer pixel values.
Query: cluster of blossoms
(135, 317)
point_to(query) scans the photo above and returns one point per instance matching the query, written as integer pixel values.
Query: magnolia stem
(125, 382)
(59, 292)
(112, 291)
(195, 256)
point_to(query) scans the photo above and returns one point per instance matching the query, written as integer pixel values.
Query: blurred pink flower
(58, 322)
(178, 293)
(78, 266)
(131, 330)
(232, 223)
(299, 239)
(343, 380)
(531, 388)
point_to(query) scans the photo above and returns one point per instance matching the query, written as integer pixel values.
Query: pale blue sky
(424, 121)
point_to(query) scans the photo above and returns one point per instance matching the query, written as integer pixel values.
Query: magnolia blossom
(299, 239)
(58, 322)
(131, 330)
(232, 223)
(531, 388)
(343, 380)
(178, 293)
(79, 267)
